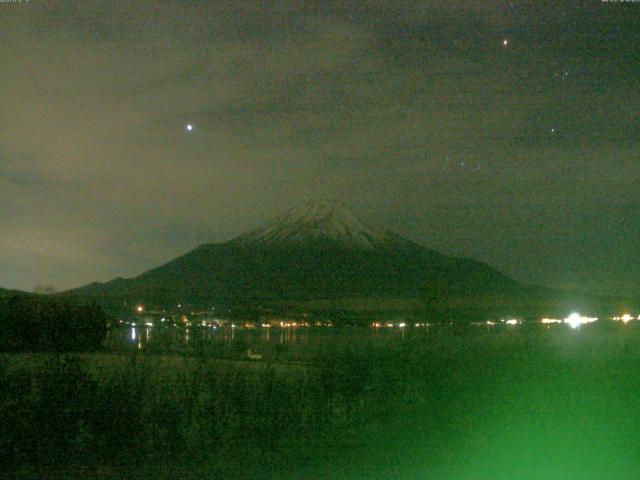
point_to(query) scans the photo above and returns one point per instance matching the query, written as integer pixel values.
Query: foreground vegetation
(518, 404)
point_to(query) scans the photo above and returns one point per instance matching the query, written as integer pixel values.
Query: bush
(40, 323)
(43, 413)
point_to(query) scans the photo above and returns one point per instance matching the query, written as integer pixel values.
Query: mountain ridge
(318, 250)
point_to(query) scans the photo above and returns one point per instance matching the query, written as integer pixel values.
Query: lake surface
(303, 343)
(272, 341)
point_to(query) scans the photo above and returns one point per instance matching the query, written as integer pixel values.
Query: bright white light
(490, 322)
(189, 127)
(149, 324)
(133, 334)
(505, 42)
(402, 325)
(139, 308)
(512, 321)
(575, 320)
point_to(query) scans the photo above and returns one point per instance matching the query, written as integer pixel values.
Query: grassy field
(516, 404)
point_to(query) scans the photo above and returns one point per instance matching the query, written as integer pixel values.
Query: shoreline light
(624, 318)
(548, 321)
(575, 320)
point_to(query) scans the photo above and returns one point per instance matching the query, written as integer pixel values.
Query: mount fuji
(317, 253)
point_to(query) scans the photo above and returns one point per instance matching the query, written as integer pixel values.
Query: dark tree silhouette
(49, 323)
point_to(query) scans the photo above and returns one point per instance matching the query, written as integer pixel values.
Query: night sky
(504, 131)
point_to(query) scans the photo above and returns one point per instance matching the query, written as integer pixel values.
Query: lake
(306, 343)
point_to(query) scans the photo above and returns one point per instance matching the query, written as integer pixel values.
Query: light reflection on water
(283, 339)
(176, 337)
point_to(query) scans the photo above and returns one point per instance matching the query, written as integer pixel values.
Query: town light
(624, 318)
(575, 320)
(547, 321)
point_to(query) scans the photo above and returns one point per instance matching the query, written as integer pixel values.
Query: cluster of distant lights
(575, 320)
(626, 318)
(509, 321)
(398, 325)
(185, 321)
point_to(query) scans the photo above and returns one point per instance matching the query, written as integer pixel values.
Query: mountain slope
(316, 251)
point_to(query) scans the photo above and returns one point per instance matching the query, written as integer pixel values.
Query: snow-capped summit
(318, 220)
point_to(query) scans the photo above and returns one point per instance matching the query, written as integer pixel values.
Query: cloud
(411, 111)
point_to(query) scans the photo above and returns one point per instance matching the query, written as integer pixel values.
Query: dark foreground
(521, 404)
